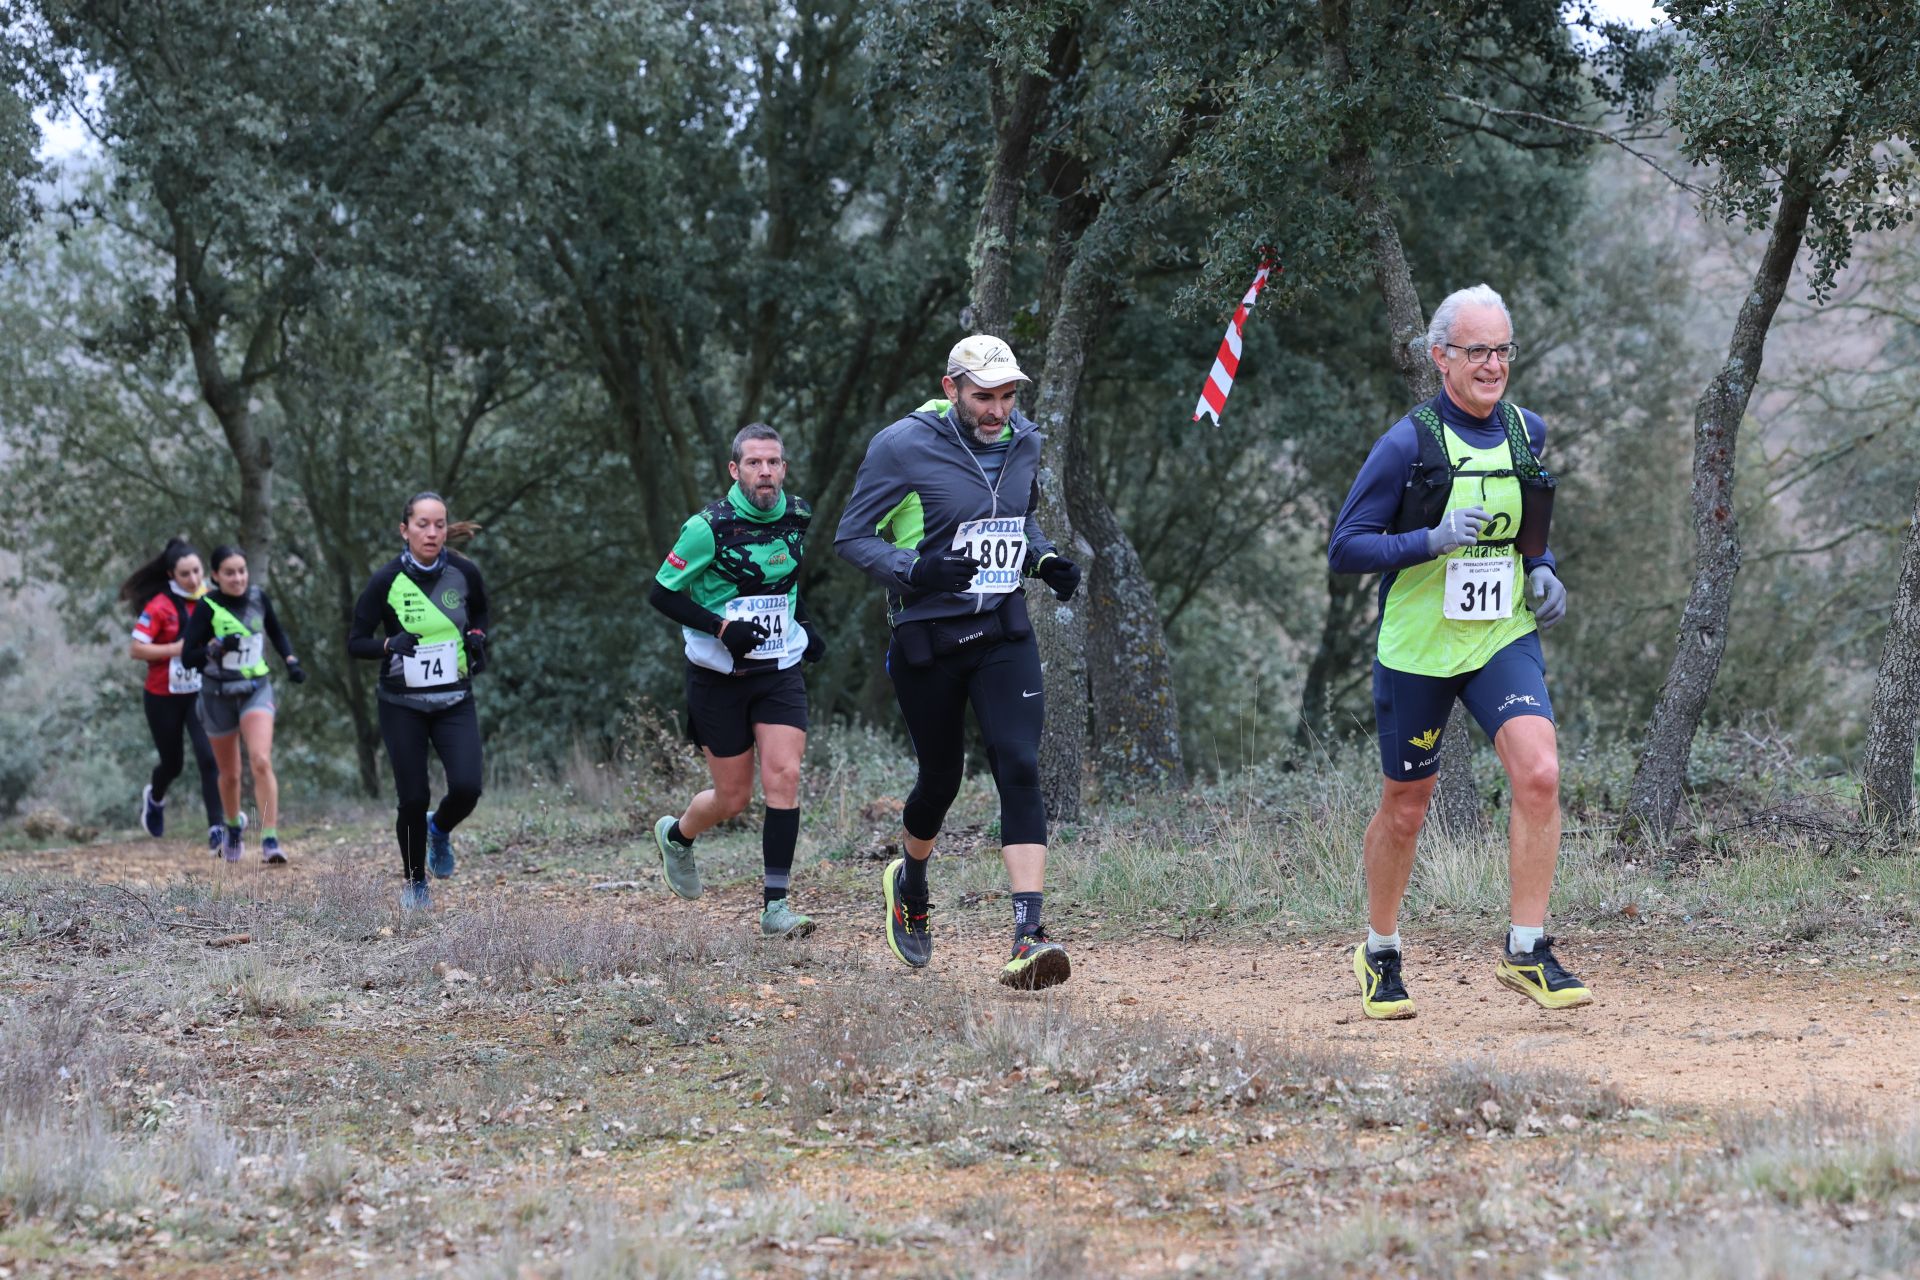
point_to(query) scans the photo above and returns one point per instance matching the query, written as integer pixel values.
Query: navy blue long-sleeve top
(1360, 541)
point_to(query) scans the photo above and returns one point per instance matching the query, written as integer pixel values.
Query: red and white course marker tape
(1213, 396)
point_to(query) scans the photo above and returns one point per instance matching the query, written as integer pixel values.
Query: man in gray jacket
(942, 516)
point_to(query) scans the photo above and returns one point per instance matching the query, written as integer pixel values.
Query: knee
(1404, 808)
(1536, 780)
(262, 766)
(463, 791)
(781, 780)
(1016, 764)
(733, 801)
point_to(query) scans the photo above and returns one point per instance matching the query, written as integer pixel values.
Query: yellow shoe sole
(1050, 968)
(1383, 1010)
(1515, 980)
(887, 892)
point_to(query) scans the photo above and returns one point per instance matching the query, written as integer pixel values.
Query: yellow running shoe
(1538, 976)
(1038, 963)
(1382, 993)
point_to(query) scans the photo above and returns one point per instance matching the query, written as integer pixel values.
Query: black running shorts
(722, 709)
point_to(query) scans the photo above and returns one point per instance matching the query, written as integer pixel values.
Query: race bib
(431, 664)
(772, 612)
(1479, 590)
(1000, 545)
(247, 655)
(180, 679)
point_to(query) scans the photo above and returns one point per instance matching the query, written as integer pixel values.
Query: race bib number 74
(1000, 545)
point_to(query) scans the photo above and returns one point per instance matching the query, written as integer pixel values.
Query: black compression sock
(913, 880)
(778, 833)
(674, 834)
(1026, 914)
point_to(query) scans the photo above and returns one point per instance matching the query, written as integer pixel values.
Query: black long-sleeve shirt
(444, 603)
(254, 610)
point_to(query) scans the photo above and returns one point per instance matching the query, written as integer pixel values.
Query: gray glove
(1546, 596)
(1458, 528)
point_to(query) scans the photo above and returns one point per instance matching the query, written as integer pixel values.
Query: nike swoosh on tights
(1034, 694)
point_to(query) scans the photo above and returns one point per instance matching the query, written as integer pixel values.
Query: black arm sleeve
(800, 614)
(478, 617)
(195, 639)
(681, 608)
(270, 623)
(361, 640)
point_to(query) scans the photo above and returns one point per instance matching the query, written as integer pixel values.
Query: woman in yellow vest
(226, 642)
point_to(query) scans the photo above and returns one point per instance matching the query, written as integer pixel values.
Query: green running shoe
(676, 861)
(907, 933)
(1038, 963)
(778, 920)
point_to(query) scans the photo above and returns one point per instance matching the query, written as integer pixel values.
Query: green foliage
(1765, 87)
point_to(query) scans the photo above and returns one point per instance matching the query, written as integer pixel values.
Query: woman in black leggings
(431, 609)
(165, 591)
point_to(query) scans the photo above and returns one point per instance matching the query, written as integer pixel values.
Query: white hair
(1440, 331)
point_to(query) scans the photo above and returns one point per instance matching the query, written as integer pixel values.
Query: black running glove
(945, 572)
(296, 672)
(403, 644)
(1060, 574)
(742, 636)
(476, 653)
(216, 649)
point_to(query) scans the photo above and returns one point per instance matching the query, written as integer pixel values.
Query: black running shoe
(907, 932)
(1383, 993)
(1038, 963)
(1538, 976)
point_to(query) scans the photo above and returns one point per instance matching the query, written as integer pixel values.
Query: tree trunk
(1136, 714)
(1016, 119)
(1346, 599)
(1061, 629)
(1456, 803)
(1662, 772)
(1886, 770)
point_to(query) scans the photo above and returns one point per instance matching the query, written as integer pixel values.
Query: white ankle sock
(1378, 942)
(1522, 937)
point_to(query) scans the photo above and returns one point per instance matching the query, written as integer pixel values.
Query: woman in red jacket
(166, 590)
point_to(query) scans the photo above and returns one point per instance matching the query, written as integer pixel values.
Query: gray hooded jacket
(918, 484)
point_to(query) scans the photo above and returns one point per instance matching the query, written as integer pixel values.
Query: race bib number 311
(1479, 590)
(771, 612)
(1000, 545)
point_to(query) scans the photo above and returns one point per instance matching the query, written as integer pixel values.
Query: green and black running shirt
(738, 561)
(439, 606)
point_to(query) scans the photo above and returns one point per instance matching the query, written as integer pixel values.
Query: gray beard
(987, 435)
(772, 500)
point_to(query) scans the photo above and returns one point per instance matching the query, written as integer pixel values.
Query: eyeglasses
(1478, 352)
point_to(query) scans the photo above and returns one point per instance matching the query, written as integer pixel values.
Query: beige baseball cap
(986, 360)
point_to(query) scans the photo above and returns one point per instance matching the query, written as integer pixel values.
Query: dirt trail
(1668, 1027)
(1665, 1028)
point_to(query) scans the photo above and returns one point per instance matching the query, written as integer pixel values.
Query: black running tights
(167, 715)
(454, 733)
(1002, 682)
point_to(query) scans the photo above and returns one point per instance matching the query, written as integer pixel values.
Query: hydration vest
(1429, 485)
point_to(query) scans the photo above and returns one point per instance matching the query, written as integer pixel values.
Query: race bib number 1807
(1000, 545)
(1479, 590)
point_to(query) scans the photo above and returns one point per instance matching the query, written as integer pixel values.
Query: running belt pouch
(1536, 513)
(916, 645)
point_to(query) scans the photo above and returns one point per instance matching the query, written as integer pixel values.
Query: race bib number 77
(1000, 545)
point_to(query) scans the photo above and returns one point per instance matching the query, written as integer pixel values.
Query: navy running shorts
(1410, 711)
